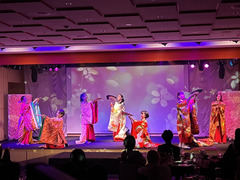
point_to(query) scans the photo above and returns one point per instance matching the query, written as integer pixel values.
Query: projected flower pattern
(162, 96)
(235, 80)
(88, 73)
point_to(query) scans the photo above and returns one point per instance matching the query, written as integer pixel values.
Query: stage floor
(106, 144)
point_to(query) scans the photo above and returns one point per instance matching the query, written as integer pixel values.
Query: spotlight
(236, 41)
(134, 45)
(34, 48)
(198, 43)
(164, 44)
(56, 69)
(221, 71)
(206, 65)
(201, 67)
(192, 66)
(50, 69)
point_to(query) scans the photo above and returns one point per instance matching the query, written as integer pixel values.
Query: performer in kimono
(140, 131)
(28, 120)
(89, 116)
(186, 119)
(51, 132)
(117, 123)
(217, 128)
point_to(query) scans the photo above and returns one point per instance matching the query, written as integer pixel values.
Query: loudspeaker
(34, 74)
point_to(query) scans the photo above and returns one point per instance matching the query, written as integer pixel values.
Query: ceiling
(115, 23)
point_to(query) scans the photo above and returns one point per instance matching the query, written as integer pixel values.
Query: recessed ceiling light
(68, 3)
(128, 24)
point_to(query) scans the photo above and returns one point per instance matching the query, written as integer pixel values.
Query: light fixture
(2, 49)
(34, 48)
(192, 65)
(221, 71)
(198, 43)
(200, 66)
(206, 65)
(236, 41)
(56, 69)
(164, 44)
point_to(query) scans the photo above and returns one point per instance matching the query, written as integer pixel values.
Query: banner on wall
(232, 113)
(14, 107)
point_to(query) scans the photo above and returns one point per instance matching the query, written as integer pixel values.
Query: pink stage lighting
(50, 69)
(56, 68)
(206, 65)
(192, 66)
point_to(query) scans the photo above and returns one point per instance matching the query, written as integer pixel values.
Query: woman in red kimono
(186, 119)
(140, 131)
(89, 116)
(27, 122)
(217, 128)
(52, 131)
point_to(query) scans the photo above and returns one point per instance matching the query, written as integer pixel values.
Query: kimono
(117, 123)
(193, 117)
(28, 122)
(140, 133)
(89, 116)
(217, 128)
(184, 122)
(52, 133)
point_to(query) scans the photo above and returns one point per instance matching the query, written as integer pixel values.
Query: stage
(104, 147)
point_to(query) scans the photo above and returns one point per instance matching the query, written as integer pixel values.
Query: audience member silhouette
(168, 148)
(8, 169)
(231, 157)
(76, 167)
(154, 170)
(132, 156)
(97, 172)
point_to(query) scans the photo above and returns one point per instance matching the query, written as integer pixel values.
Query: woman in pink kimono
(89, 116)
(27, 122)
(140, 131)
(117, 123)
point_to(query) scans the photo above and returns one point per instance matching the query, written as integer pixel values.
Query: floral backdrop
(151, 88)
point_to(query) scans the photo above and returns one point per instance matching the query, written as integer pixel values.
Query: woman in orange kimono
(217, 128)
(27, 122)
(52, 131)
(117, 123)
(186, 122)
(89, 114)
(140, 131)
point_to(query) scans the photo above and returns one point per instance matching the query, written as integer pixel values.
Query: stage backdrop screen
(151, 88)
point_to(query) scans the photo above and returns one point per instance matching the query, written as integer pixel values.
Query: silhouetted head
(129, 142)
(153, 157)
(23, 99)
(237, 135)
(180, 95)
(83, 97)
(120, 98)
(219, 97)
(146, 113)
(167, 136)
(61, 112)
(78, 157)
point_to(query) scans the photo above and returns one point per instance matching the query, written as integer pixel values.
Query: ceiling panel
(134, 32)
(85, 15)
(163, 26)
(111, 38)
(158, 12)
(125, 21)
(196, 29)
(166, 36)
(98, 27)
(196, 5)
(197, 18)
(229, 10)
